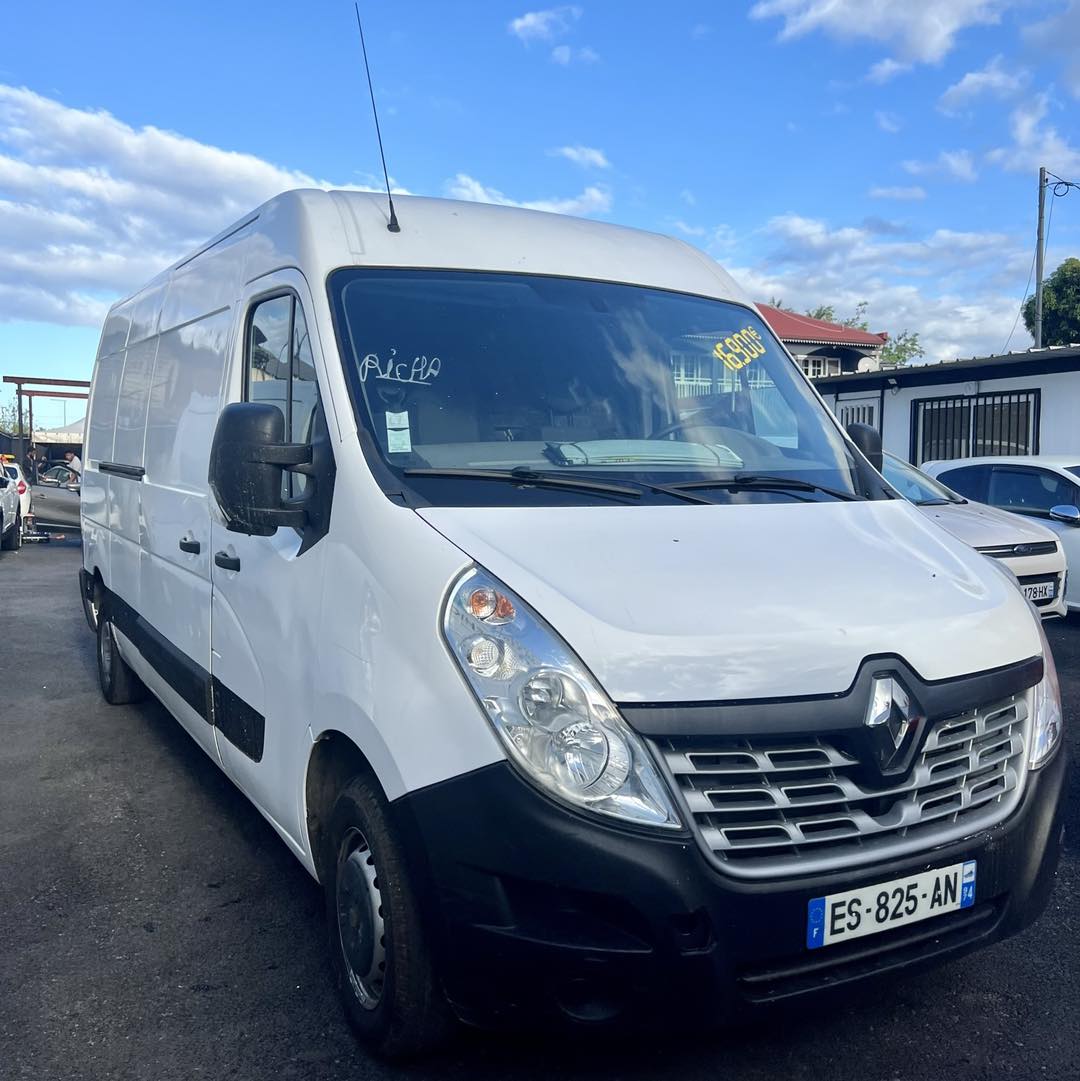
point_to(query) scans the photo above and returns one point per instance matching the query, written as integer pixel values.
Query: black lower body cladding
(537, 912)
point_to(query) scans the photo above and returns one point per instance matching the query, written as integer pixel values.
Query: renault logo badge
(893, 718)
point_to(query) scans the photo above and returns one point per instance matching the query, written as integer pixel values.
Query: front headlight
(556, 722)
(1047, 726)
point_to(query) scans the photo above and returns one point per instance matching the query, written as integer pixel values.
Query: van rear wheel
(119, 684)
(381, 964)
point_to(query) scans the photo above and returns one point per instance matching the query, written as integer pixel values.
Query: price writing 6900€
(738, 349)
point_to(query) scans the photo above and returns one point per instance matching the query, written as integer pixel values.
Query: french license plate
(843, 916)
(1039, 591)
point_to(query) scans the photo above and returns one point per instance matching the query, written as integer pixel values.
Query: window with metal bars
(977, 425)
(859, 413)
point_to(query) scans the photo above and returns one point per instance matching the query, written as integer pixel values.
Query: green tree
(858, 321)
(1061, 306)
(9, 418)
(898, 351)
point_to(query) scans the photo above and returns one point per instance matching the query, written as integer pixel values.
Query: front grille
(794, 805)
(1007, 551)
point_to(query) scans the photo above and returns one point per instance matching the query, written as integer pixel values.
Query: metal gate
(1006, 422)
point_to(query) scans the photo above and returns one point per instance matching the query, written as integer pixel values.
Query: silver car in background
(1030, 550)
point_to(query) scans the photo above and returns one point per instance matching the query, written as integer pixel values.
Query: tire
(11, 540)
(119, 684)
(395, 1008)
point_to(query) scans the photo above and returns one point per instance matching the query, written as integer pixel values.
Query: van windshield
(456, 375)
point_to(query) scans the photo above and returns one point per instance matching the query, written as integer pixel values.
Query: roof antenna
(393, 224)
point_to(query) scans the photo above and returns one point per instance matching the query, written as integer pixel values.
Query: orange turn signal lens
(482, 602)
(488, 604)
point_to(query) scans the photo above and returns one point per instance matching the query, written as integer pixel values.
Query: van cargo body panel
(749, 602)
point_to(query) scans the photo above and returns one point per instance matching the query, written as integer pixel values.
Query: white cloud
(1061, 34)
(688, 197)
(690, 230)
(886, 69)
(1036, 143)
(588, 157)
(903, 193)
(919, 31)
(722, 239)
(544, 25)
(888, 122)
(958, 290)
(565, 55)
(700, 30)
(593, 200)
(956, 164)
(992, 80)
(92, 207)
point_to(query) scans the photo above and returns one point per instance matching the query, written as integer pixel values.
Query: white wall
(1059, 427)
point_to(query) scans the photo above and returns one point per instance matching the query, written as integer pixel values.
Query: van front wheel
(119, 684)
(12, 541)
(382, 967)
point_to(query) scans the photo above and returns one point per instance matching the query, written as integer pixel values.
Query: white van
(511, 567)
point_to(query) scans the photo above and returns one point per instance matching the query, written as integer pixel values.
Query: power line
(1023, 301)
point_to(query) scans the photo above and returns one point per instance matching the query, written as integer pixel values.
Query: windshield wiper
(590, 483)
(765, 482)
(936, 502)
(523, 475)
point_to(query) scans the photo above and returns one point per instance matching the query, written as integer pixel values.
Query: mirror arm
(285, 454)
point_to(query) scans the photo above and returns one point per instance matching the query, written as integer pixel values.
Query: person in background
(74, 463)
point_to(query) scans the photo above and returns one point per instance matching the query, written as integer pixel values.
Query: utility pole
(1039, 259)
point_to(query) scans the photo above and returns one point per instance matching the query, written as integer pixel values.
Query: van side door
(267, 590)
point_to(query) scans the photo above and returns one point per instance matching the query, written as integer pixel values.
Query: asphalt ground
(152, 925)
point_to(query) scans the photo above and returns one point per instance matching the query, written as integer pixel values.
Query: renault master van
(517, 575)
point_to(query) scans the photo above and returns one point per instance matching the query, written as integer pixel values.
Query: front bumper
(536, 912)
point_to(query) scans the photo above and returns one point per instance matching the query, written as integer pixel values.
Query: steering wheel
(697, 419)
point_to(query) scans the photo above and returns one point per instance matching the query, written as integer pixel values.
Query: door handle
(189, 545)
(226, 561)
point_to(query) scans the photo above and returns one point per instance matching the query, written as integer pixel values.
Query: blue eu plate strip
(967, 885)
(815, 922)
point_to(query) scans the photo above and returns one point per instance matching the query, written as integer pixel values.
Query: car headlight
(1047, 726)
(557, 724)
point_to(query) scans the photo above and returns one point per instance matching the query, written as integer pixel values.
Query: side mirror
(1067, 513)
(868, 440)
(247, 459)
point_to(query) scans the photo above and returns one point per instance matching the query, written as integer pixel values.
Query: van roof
(319, 231)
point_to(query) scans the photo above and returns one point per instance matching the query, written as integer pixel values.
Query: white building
(1016, 403)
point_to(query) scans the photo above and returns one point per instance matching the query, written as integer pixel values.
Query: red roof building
(824, 348)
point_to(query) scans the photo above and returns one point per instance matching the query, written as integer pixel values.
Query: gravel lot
(152, 926)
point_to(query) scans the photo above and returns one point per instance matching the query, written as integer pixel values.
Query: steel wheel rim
(361, 929)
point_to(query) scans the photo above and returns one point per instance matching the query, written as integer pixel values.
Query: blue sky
(825, 151)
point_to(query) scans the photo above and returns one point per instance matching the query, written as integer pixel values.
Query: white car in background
(14, 471)
(1037, 486)
(1030, 550)
(10, 514)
